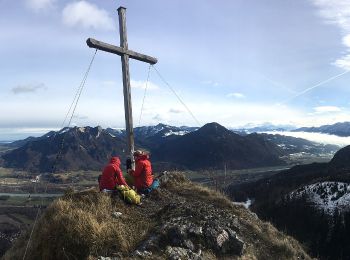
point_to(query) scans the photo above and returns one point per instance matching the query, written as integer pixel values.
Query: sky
(233, 62)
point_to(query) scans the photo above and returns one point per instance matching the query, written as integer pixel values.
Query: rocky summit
(180, 220)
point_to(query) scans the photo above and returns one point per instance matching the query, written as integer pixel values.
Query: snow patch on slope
(62, 131)
(326, 196)
(171, 132)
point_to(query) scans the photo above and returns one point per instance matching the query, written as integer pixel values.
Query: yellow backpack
(129, 195)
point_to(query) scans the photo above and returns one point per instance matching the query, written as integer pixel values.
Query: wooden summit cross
(125, 53)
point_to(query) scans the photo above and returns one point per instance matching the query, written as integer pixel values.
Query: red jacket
(112, 175)
(143, 177)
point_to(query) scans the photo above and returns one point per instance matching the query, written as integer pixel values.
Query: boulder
(178, 253)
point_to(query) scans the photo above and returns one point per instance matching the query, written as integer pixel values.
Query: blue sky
(233, 62)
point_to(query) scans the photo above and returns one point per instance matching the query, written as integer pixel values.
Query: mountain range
(77, 148)
(212, 146)
(297, 145)
(87, 148)
(151, 136)
(265, 127)
(340, 129)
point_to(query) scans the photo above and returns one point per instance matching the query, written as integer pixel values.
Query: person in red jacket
(112, 175)
(143, 178)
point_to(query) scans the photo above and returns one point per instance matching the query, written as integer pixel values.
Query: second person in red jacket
(143, 178)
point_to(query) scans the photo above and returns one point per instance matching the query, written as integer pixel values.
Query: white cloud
(337, 12)
(326, 109)
(28, 88)
(343, 62)
(346, 40)
(235, 95)
(40, 5)
(175, 111)
(86, 15)
(139, 84)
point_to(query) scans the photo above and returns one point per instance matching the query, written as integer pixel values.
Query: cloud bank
(317, 137)
(337, 12)
(86, 15)
(176, 111)
(28, 88)
(326, 109)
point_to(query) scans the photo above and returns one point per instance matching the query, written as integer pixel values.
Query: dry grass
(194, 192)
(79, 225)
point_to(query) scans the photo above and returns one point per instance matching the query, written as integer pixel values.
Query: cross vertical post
(125, 54)
(126, 82)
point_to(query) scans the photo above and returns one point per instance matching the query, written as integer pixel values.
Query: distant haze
(8, 135)
(316, 137)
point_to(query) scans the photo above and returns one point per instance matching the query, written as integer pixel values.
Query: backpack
(129, 195)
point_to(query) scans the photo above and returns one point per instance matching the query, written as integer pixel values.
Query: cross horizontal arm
(92, 43)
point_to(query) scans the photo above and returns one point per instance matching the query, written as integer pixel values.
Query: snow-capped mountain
(160, 130)
(264, 127)
(88, 148)
(76, 148)
(326, 196)
(339, 129)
